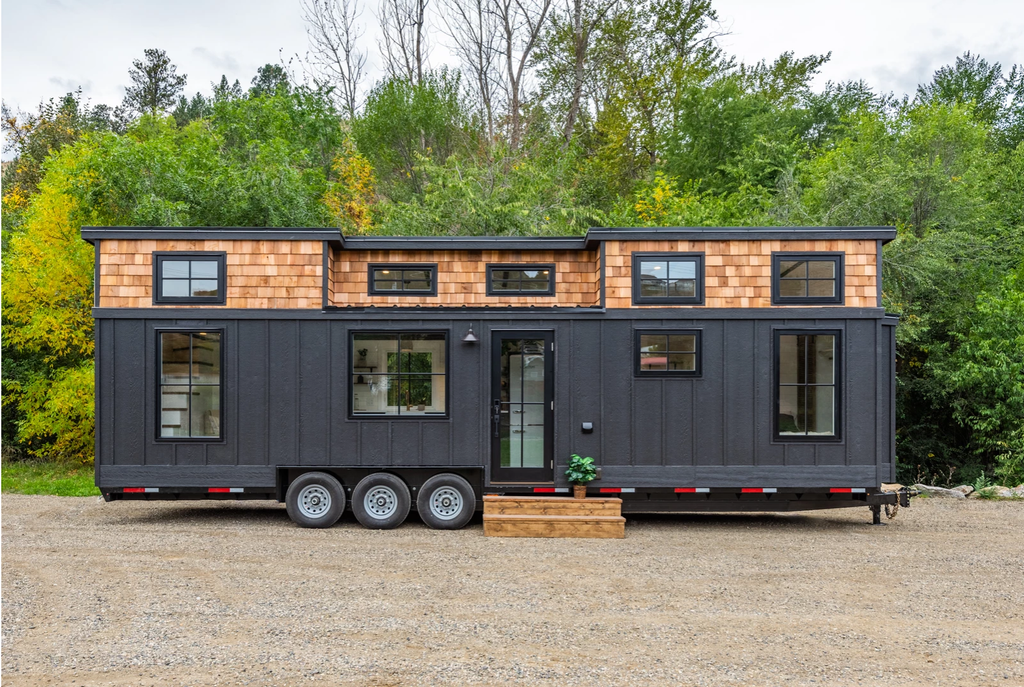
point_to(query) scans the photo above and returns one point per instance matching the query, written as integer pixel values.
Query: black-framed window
(191, 376)
(807, 385)
(667, 353)
(520, 280)
(400, 280)
(399, 373)
(668, 278)
(807, 278)
(189, 278)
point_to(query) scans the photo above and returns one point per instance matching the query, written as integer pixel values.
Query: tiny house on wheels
(720, 369)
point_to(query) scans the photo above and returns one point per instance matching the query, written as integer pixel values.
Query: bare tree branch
(520, 24)
(333, 33)
(474, 33)
(405, 49)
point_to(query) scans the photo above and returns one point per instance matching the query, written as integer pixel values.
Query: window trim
(374, 291)
(696, 299)
(550, 291)
(353, 415)
(160, 331)
(698, 365)
(837, 387)
(839, 259)
(220, 257)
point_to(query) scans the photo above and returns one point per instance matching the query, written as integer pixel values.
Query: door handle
(496, 417)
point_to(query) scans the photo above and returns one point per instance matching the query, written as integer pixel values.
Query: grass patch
(55, 479)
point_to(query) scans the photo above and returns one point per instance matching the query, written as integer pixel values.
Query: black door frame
(545, 474)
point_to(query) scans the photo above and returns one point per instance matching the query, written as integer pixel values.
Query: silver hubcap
(445, 503)
(314, 501)
(381, 502)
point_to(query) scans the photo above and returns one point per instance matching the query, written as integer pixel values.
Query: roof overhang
(590, 241)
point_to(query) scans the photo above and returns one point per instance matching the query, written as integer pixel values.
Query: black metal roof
(591, 240)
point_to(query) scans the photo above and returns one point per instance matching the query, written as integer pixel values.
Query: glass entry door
(522, 394)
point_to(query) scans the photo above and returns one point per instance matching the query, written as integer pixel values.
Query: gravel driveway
(203, 593)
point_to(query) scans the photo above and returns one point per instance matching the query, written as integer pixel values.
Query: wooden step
(560, 526)
(550, 505)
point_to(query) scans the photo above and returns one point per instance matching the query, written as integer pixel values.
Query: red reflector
(543, 490)
(610, 490)
(836, 490)
(686, 490)
(756, 490)
(134, 490)
(219, 490)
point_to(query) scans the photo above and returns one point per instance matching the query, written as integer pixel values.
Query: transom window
(528, 280)
(807, 385)
(190, 383)
(402, 374)
(668, 353)
(807, 278)
(669, 278)
(188, 278)
(397, 280)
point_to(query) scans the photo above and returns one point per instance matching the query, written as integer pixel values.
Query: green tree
(155, 83)
(402, 122)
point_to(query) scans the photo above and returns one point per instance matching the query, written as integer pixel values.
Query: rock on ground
(939, 492)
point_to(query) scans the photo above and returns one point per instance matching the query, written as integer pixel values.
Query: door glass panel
(532, 437)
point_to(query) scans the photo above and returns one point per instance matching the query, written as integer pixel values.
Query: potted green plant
(581, 472)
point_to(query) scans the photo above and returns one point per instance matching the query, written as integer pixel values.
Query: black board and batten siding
(285, 399)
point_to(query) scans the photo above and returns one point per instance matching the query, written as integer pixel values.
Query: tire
(315, 499)
(381, 501)
(446, 502)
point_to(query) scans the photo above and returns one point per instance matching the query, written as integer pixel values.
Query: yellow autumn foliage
(47, 301)
(351, 198)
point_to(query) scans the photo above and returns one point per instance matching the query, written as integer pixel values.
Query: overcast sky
(50, 47)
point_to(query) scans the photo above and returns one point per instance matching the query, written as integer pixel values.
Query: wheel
(446, 502)
(315, 499)
(381, 501)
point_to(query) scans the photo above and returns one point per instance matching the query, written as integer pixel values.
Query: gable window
(668, 278)
(811, 278)
(806, 385)
(400, 280)
(189, 278)
(190, 383)
(668, 353)
(399, 373)
(527, 280)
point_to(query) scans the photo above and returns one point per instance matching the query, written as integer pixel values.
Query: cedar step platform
(553, 516)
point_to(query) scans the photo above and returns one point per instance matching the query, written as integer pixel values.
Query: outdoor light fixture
(470, 337)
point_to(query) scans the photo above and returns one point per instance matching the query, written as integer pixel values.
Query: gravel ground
(137, 593)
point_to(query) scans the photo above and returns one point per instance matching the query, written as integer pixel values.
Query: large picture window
(190, 383)
(807, 278)
(402, 280)
(807, 385)
(668, 278)
(402, 374)
(668, 353)
(194, 278)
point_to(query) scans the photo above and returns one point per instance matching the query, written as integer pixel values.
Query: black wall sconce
(470, 337)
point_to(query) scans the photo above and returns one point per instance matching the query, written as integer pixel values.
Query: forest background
(561, 116)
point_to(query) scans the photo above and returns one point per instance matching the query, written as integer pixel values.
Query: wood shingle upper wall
(260, 274)
(738, 274)
(462, 277)
(289, 273)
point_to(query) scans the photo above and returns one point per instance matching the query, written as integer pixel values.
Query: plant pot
(579, 491)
